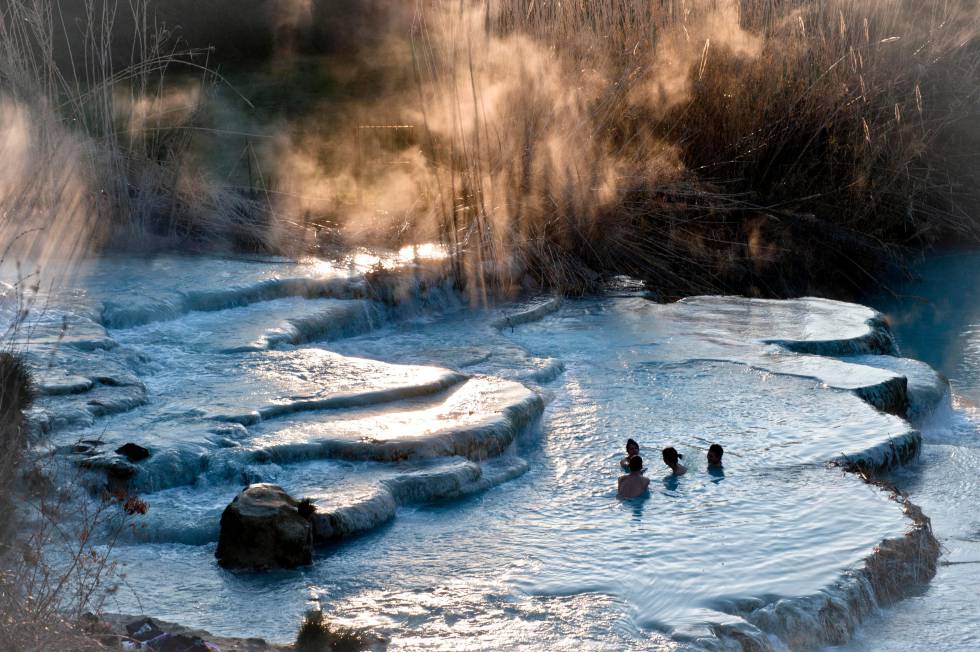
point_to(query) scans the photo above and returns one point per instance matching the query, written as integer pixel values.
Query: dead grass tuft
(316, 634)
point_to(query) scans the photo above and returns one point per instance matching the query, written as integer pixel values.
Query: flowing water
(467, 458)
(937, 319)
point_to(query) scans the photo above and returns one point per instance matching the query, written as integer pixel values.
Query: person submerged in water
(632, 449)
(634, 483)
(715, 453)
(672, 459)
(715, 468)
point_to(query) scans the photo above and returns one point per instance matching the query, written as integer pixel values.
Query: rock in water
(133, 452)
(262, 528)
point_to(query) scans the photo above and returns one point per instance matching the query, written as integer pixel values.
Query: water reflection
(671, 482)
(636, 505)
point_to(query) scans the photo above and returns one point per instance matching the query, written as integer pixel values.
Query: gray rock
(114, 466)
(118, 471)
(262, 528)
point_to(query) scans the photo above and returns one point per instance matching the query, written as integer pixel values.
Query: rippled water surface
(937, 319)
(475, 523)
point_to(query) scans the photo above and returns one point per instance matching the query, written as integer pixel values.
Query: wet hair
(671, 456)
(636, 463)
(716, 449)
(631, 442)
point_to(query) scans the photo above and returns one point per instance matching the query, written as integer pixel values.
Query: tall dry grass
(55, 542)
(757, 146)
(760, 146)
(97, 152)
(71, 179)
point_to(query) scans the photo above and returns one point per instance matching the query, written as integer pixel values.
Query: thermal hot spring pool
(469, 456)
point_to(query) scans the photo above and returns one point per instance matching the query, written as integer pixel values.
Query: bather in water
(632, 449)
(715, 453)
(672, 459)
(715, 467)
(634, 483)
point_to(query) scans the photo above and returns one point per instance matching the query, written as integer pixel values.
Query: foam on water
(447, 516)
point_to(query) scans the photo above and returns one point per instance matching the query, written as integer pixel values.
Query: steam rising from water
(290, 19)
(688, 47)
(48, 207)
(524, 134)
(494, 137)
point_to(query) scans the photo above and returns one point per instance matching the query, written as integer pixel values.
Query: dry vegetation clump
(56, 566)
(97, 152)
(849, 129)
(15, 397)
(754, 147)
(316, 634)
(19, 630)
(56, 539)
(749, 146)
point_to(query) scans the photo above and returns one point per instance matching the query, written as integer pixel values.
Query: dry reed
(755, 147)
(750, 146)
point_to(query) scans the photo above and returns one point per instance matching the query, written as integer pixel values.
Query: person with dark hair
(715, 452)
(634, 483)
(715, 468)
(672, 459)
(632, 449)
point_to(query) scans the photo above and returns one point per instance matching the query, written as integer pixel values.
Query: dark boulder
(263, 528)
(133, 452)
(178, 643)
(118, 471)
(143, 629)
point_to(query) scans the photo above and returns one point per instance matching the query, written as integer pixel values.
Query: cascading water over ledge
(403, 407)
(899, 565)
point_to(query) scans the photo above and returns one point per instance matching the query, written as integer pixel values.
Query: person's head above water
(671, 456)
(715, 452)
(636, 464)
(632, 448)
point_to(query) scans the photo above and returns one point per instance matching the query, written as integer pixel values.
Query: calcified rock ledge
(472, 456)
(379, 504)
(465, 470)
(468, 454)
(878, 340)
(99, 386)
(345, 400)
(530, 314)
(512, 410)
(898, 567)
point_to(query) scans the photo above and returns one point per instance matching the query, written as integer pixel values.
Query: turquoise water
(471, 454)
(936, 318)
